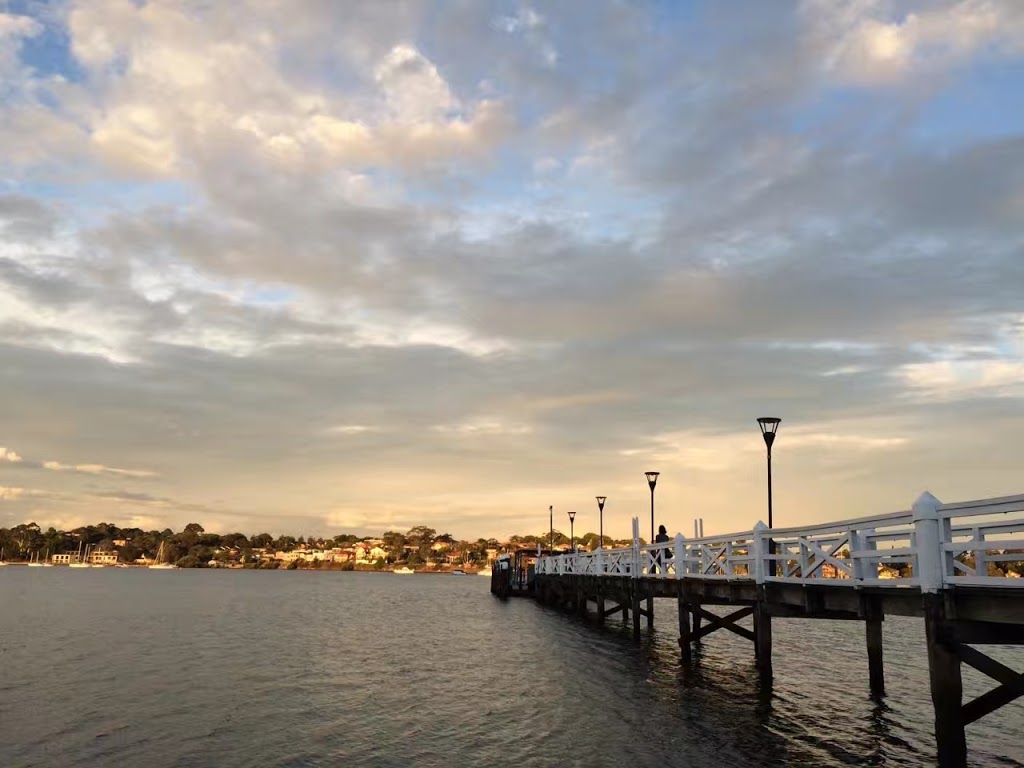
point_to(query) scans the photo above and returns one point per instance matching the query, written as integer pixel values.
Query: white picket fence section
(931, 546)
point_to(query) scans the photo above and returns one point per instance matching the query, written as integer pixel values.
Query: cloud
(275, 251)
(96, 469)
(867, 44)
(8, 455)
(350, 429)
(482, 427)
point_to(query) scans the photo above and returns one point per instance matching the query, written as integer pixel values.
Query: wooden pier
(930, 562)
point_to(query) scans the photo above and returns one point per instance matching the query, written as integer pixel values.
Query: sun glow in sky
(318, 266)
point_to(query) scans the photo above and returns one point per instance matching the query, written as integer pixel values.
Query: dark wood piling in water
(717, 583)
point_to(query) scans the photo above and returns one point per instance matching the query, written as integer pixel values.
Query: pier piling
(876, 674)
(830, 571)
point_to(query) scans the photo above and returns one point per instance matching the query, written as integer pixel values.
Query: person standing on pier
(659, 539)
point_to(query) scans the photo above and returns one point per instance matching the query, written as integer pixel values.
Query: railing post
(759, 552)
(869, 543)
(943, 660)
(680, 554)
(635, 586)
(599, 558)
(636, 549)
(929, 542)
(855, 543)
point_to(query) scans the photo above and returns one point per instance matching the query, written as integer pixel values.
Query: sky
(312, 267)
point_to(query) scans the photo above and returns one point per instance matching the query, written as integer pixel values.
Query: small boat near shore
(404, 571)
(160, 565)
(458, 572)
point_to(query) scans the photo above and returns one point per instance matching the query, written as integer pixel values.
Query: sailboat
(2, 560)
(81, 563)
(160, 560)
(46, 562)
(34, 560)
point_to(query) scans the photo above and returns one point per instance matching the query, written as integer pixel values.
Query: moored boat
(160, 565)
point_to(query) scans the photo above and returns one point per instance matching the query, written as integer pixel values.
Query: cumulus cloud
(298, 243)
(6, 454)
(868, 43)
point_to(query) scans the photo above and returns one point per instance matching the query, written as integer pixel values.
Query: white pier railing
(931, 546)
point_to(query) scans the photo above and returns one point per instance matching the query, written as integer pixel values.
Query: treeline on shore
(195, 547)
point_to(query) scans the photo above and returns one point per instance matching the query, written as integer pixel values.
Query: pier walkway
(939, 562)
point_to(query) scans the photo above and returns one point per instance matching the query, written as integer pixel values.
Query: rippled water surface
(246, 668)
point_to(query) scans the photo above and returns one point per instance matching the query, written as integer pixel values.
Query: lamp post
(600, 510)
(652, 480)
(769, 426)
(572, 534)
(551, 529)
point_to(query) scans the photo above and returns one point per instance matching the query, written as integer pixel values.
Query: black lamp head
(652, 478)
(769, 426)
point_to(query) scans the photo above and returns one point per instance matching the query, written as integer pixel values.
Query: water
(249, 668)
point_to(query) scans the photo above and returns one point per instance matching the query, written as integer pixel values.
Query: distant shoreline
(370, 569)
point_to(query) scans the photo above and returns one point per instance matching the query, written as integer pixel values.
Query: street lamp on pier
(769, 426)
(600, 509)
(551, 529)
(572, 533)
(652, 480)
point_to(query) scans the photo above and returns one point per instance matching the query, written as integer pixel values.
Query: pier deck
(938, 562)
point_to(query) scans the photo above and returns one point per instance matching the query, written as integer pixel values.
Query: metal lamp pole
(572, 534)
(551, 528)
(652, 480)
(600, 509)
(769, 426)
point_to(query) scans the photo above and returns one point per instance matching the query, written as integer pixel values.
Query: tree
(394, 543)
(284, 543)
(194, 528)
(262, 540)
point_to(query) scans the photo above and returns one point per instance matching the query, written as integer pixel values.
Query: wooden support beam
(635, 594)
(723, 622)
(986, 632)
(993, 700)
(986, 665)
(946, 686)
(1011, 689)
(684, 626)
(614, 609)
(650, 607)
(695, 612)
(763, 638)
(876, 673)
(600, 603)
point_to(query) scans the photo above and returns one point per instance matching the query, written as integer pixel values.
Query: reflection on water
(307, 669)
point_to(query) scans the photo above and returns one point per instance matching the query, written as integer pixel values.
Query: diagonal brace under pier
(722, 622)
(1011, 689)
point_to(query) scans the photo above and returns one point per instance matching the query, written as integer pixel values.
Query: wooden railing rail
(931, 546)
